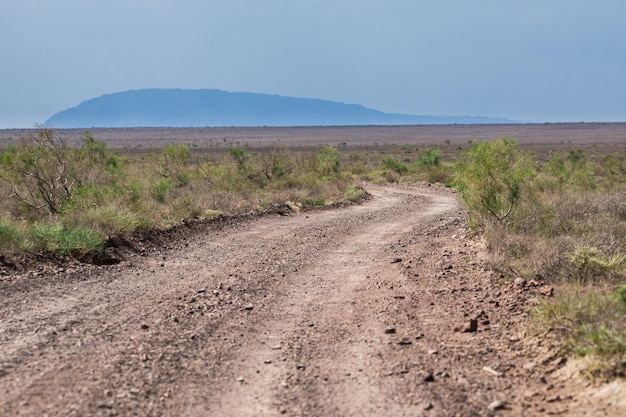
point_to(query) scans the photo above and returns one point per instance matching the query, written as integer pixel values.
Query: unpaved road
(344, 312)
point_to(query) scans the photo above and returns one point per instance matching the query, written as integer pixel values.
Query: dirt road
(360, 311)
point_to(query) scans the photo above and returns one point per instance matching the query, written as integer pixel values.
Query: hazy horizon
(530, 61)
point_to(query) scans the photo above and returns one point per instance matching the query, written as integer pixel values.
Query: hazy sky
(529, 60)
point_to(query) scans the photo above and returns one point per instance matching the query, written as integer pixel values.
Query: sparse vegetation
(72, 200)
(562, 222)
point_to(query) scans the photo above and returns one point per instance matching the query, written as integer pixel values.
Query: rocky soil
(380, 309)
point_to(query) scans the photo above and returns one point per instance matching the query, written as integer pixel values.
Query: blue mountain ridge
(213, 108)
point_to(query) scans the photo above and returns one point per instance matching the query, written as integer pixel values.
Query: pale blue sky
(528, 60)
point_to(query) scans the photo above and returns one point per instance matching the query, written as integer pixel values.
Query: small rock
(301, 367)
(390, 330)
(469, 327)
(396, 261)
(433, 352)
(277, 347)
(520, 282)
(144, 326)
(492, 371)
(546, 290)
(201, 290)
(248, 307)
(497, 405)
(428, 406)
(404, 341)
(480, 314)
(429, 377)
(240, 380)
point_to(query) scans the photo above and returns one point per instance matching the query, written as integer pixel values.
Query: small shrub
(354, 193)
(591, 264)
(241, 158)
(46, 237)
(173, 163)
(81, 243)
(430, 157)
(590, 322)
(493, 178)
(329, 161)
(314, 202)
(161, 189)
(11, 237)
(40, 171)
(394, 165)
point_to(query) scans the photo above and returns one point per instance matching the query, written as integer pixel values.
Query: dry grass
(571, 233)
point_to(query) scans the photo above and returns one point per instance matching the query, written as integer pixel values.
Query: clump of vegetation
(561, 221)
(393, 164)
(72, 199)
(590, 322)
(494, 178)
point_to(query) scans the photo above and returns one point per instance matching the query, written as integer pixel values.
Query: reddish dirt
(355, 311)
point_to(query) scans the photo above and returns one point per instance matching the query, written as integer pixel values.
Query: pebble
(405, 341)
(248, 307)
(497, 405)
(390, 330)
(429, 377)
(520, 282)
(469, 327)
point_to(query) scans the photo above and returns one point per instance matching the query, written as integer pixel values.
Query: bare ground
(357, 311)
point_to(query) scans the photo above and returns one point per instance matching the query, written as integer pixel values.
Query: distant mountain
(200, 108)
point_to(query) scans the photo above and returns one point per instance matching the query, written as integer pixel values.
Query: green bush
(241, 158)
(161, 189)
(173, 163)
(11, 237)
(430, 157)
(329, 161)
(43, 171)
(394, 165)
(354, 193)
(46, 237)
(81, 243)
(590, 263)
(493, 178)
